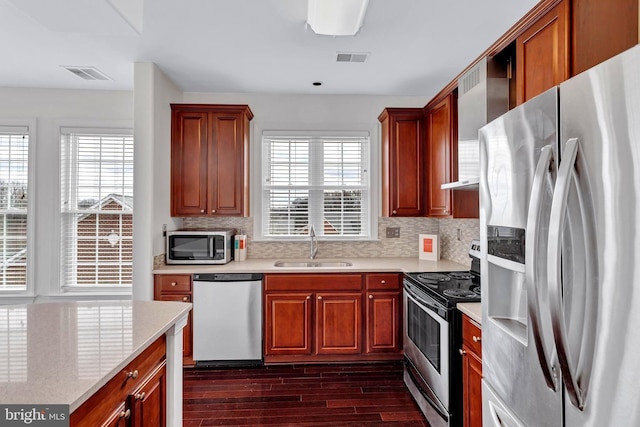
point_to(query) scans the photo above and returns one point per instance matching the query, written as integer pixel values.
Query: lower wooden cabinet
(177, 287)
(471, 373)
(320, 317)
(148, 402)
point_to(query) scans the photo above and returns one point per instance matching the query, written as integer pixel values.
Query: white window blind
(14, 186)
(96, 208)
(319, 180)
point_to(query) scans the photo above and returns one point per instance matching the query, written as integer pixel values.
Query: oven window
(424, 331)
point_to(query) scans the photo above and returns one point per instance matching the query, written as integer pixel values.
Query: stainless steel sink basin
(312, 264)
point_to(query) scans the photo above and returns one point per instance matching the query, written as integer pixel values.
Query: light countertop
(364, 265)
(63, 352)
(471, 309)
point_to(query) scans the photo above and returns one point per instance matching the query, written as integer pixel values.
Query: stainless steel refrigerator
(560, 239)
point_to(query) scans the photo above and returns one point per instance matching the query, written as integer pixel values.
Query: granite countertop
(471, 309)
(401, 265)
(63, 352)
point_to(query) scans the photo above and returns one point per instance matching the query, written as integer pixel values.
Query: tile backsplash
(405, 246)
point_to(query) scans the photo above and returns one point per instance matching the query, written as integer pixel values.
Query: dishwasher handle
(227, 277)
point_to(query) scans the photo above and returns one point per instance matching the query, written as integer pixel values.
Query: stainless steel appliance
(227, 318)
(560, 235)
(212, 246)
(432, 337)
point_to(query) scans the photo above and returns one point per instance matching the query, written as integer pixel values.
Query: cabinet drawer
(173, 282)
(384, 281)
(312, 282)
(472, 335)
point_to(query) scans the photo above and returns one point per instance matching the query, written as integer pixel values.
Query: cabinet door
(383, 322)
(119, 418)
(287, 324)
(471, 388)
(439, 140)
(189, 148)
(338, 323)
(542, 53)
(148, 402)
(226, 164)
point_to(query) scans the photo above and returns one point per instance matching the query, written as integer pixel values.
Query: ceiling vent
(87, 73)
(351, 57)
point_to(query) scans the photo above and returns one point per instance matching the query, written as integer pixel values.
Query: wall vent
(87, 73)
(351, 56)
(470, 80)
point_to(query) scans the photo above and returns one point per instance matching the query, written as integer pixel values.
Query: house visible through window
(14, 185)
(96, 208)
(315, 180)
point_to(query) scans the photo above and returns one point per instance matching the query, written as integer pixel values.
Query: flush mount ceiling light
(336, 17)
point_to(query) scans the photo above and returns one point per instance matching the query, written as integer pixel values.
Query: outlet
(393, 232)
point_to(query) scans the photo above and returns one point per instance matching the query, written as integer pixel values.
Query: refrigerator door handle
(558, 211)
(531, 262)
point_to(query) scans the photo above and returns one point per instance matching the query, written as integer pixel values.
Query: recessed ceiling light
(317, 83)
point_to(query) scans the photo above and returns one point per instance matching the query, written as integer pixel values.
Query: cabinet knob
(462, 352)
(213, 211)
(446, 211)
(185, 299)
(370, 296)
(140, 396)
(320, 297)
(383, 282)
(476, 339)
(174, 283)
(394, 212)
(125, 414)
(308, 296)
(132, 374)
(201, 210)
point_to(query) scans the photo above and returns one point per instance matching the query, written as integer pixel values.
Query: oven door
(426, 342)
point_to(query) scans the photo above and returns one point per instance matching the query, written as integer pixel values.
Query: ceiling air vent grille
(87, 73)
(471, 79)
(351, 57)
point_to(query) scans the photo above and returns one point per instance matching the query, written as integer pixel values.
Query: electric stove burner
(433, 278)
(461, 275)
(459, 293)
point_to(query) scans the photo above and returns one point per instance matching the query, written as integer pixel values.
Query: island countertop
(63, 352)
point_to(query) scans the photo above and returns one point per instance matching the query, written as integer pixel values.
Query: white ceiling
(259, 46)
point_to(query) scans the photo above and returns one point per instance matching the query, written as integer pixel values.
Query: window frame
(373, 187)
(29, 291)
(60, 288)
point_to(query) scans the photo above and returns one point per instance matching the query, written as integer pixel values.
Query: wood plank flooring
(363, 395)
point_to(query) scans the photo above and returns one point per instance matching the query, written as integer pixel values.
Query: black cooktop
(448, 288)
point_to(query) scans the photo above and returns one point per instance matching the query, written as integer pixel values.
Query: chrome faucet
(313, 248)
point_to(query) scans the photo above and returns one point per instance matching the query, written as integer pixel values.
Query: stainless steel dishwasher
(227, 318)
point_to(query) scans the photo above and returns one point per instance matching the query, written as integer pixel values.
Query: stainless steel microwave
(213, 246)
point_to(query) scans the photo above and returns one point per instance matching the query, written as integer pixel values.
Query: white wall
(51, 108)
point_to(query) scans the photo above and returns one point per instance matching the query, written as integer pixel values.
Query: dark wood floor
(363, 395)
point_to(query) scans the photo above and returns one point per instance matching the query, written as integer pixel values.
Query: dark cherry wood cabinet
(403, 162)
(440, 139)
(542, 53)
(148, 402)
(601, 30)
(471, 373)
(177, 287)
(320, 318)
(210, 159)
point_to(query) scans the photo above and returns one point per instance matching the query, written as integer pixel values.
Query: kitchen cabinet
(471, 372)
(320, 318)
(440, 138)
(383, 320)
(210, 160)
(601, 30)
(542, 53)
(177, 287)
(135, 397)
(403, 162)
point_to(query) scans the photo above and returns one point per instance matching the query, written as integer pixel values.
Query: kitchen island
(66, 352)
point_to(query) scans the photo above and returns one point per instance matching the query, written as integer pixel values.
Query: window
(96, 208)
(14, 182)
(315, 180)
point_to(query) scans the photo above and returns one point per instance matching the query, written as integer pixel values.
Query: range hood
(483, 95)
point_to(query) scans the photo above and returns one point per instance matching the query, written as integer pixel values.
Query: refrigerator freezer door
(601, 109)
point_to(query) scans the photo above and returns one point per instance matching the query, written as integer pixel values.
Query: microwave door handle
(531, 262)
(211, 246)
(558, 212)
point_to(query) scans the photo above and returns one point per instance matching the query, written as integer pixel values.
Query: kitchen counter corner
(471, 309)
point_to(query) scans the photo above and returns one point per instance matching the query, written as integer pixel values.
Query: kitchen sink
(312, 264)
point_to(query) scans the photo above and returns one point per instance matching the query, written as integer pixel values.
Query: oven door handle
(432, 305)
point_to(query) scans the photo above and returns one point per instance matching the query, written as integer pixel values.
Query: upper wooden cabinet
(440, 137)
(402, 162)
(601, 30)
(210, 160)
(542, 53)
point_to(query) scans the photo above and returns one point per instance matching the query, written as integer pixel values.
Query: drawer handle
(308, 296)
(462, 352)
(383, 281)
(140, 396)
(125, 414)
(174, 283)
(186, 299)
(201, 210)
(132, 374)
(476, 339)
(320, 297)
(370, 296)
